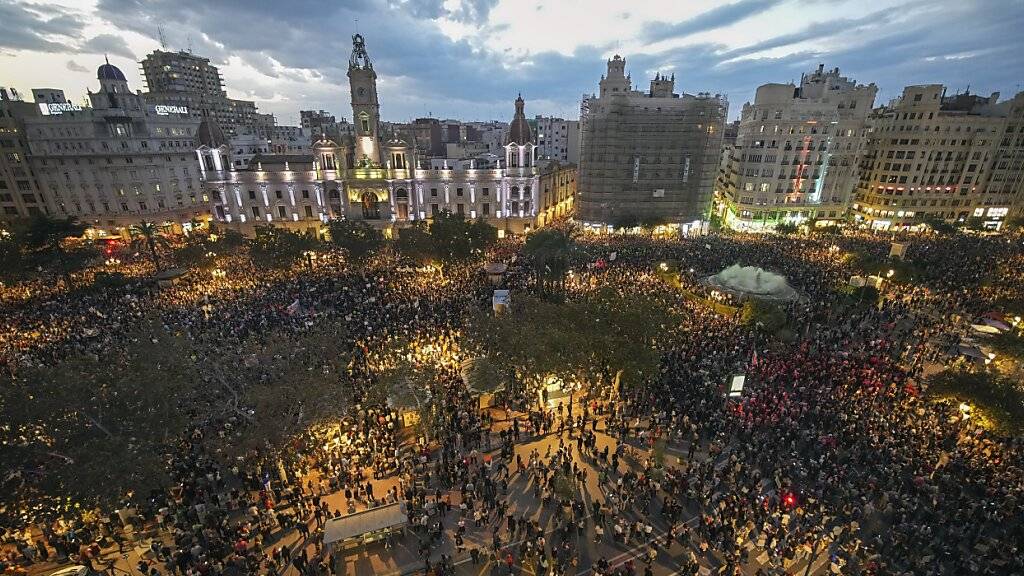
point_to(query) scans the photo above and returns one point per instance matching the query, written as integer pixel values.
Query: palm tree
(550, 249)
(147, 234)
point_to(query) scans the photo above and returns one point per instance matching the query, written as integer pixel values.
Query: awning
(971, 352)
(1001, 326)
(985, 329)
(372, 520)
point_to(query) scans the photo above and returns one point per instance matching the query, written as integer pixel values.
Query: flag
(753, 358)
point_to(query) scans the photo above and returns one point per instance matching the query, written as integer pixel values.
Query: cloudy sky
(469, 58)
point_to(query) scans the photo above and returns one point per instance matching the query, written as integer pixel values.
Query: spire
(359, 58)
(105, 59)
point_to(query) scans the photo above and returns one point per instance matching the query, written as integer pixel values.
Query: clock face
(361, 92)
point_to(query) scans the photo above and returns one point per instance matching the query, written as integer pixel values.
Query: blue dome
(110, 72)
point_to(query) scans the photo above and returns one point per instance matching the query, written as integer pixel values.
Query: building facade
(119, 161)
(20, 196)
(647, 156)
(367, 177)
(557, 191)
(186, 80)
(558, 139)
(949, 158)
(797, 152)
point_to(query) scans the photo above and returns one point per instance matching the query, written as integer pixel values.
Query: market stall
(366, 526)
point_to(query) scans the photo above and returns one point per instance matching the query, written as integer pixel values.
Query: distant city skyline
(468, 59)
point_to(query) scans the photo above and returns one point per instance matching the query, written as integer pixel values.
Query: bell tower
(362, 82)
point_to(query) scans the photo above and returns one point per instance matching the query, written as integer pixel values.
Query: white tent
(366, 522)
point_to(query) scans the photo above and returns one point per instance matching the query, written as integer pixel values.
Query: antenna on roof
(190, 44)
(160, 35)
(105, 59)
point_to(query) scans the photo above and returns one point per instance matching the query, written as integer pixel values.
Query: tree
(976, 223)
(786, 228)
(416, 243)
(1014, 223)
(275, 247)
(48, 241)
(549, 250)
(146, 235)
(938, 225)
(356, 237)
(196, 253)
(456, 238)
(625, 220)
(94, 428)
(999, 399)
(226, 238)
(12, 257)
(762, 313)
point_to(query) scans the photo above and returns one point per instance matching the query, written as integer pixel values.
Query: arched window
(370, 206)
(364, 122)
(402, 194)
(333, 193)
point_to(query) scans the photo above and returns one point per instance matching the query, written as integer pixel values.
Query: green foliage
(715, 221)
(227, 239)
(275, 247)
(110, 280)
(47, 242)
(416, 243)
(762, 313)
(590, 339)
(1000, 399)
(563, 486)
(976, 223)
(356, 237)
(1007, 344)
(1014, 223)
(550, 250)
(456, 238)
(146, 236)
(485, 375)
(94, 428)
(939, 226)
(197, 253)
(786, 228)
(625, 220)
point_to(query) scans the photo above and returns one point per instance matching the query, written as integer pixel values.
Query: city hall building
(371, 176)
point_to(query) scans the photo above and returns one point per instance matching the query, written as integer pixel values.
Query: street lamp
(890, 273)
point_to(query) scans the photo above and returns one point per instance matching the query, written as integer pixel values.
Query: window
(309, 211)
(277, 194)
(305, 194)
(252, 194)
(486, 208)
(486, 192)
(433, 192)
(280, 211)
(460, 209)
(256, 211)
(458, 191)
(433, 210)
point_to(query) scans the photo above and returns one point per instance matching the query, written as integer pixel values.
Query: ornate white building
(368, 176)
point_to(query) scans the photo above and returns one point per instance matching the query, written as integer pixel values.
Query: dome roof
(110, 72)
(209, 134)
(519, 128)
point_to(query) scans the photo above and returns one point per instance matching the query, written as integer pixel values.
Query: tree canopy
(356, 237)
(455, 238)
(276, 247)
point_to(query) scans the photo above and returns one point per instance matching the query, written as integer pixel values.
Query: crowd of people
(833, 455)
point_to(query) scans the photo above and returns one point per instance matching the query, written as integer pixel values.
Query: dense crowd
(833, 450)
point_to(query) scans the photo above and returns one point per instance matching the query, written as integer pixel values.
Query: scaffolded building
(647, 157)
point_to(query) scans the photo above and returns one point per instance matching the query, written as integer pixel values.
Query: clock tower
(362, 82)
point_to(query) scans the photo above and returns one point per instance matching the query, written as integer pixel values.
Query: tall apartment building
(648, 155)
(19, 191)
(119, 161)
(951, 158)
(558, 139)
(316, 119)
(797, 152)
(184, 79)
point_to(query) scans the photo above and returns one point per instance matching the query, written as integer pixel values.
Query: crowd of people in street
(833, 458)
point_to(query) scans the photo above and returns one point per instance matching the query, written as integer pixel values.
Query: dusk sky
(468, 59)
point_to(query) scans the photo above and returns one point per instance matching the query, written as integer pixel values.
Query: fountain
(753, 282)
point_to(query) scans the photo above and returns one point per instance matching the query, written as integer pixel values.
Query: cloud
(76, 67)
(298, 49)
(28, 27)
(107, 44)
(715, 18)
